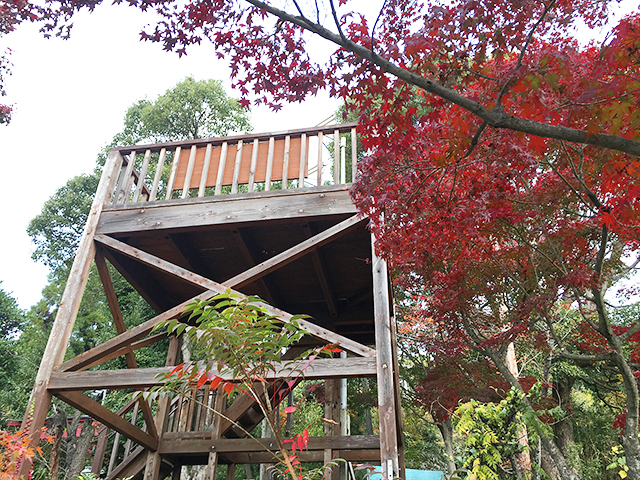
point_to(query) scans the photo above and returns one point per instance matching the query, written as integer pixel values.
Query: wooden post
(38, 405)
(332, 428)
(385, 367)
(152, 467)
(219, 406)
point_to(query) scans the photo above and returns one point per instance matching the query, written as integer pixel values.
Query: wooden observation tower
(258, 214)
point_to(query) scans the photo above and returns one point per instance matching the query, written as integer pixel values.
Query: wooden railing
(237, 164)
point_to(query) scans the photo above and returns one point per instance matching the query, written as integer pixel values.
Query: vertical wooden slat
(319, 172)
(231, 471)
(254, 164)
(285, 162)
(205, 171)
(385, 367)
(267, 181)
(127, 192)
(187, 178)
(101, 448)
(202, 419)
(174, 172)
(114, 453)
(123, 194)
(336, 157)
(303, 159)
(343, 160)
(236, 168)
(134, 418)
(152, 466)
(221, 165)
(354, 154)
(158, 175)
(218, 406)
(141, 177)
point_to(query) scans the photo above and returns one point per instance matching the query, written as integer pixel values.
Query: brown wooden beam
(305, 456)
(141, 378)
(249, 137)
(134, 346)
(235, 210)
(315, 330)
(323, 278)
(109, 418)
(40, 399)
(176, 446)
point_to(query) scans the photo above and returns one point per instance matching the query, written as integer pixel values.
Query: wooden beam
(244, 278)
(239, 209)
(385, 368)
(163, 265)
(248, 251)
(323, 278)
(140, 378)
(249, 137)
(109, 418)
(40, 400)
(134, 346)
(369, 456)
(176, 446)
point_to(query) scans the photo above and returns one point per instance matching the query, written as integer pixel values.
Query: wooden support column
(154, 460)
(332, 426)
(218, 406)
(389, 458)
(38, 405)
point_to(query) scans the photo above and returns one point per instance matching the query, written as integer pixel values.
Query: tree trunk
(446, 430)
(563, 429)
(78, 448)
(565, 471)
(58, 425)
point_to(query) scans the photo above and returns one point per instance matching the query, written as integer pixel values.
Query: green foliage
(191, 109)
(238, 337)
(490, 435)
(57, 229)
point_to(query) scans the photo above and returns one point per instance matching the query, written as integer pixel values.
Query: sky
(69, 100)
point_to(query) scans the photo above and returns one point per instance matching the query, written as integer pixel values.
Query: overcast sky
(70, 98)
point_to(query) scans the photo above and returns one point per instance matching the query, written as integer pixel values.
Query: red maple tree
(503, 168)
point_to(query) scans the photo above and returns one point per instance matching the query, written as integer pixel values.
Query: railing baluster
(267, 181)
(187, 178)
(336, 157)
(158, 175)
(303, 160)
(205, 171)
(114, 453)
(123, 193)
(236, 168)
(134, 418)
(320, 145)
(285, 162)
(221, 165)
(141, 176)
(343, 160)
(354, 155)
(254, 164)
(174, 172)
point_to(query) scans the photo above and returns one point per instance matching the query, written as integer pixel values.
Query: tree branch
(494, 118)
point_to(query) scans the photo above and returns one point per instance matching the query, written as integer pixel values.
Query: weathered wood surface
(237, 445)
(109, 418)
(140, 378)
(369, 456)
(228, 209)
(385, 368)
(343, 128)
(218, 288)
(38, 406)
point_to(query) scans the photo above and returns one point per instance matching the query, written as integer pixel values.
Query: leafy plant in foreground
(242, 341)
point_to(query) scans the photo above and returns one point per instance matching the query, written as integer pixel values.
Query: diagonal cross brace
(215, 288)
